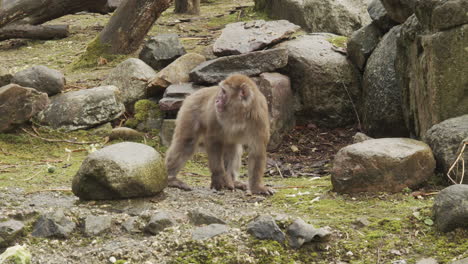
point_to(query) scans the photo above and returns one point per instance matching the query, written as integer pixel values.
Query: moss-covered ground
(399, 227)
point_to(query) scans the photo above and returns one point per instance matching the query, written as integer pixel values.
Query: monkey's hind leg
(179, 152)
(232, 163)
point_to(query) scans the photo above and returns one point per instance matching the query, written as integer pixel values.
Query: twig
(281, 174)
(354, 107)
(30, 178)
(455, 162)
(49, 190)
(57, 140)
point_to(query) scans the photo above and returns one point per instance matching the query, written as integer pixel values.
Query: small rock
(244, 37)
(170, 104)
(427, 261)
(461, 261)
(95, 225)
(160, 51)
(54, 224)
(159, 222)
(181, 90)
(9, 231)
(125, 133)
(19, 104)
(451, 208)
(362, 222)
(16, 254)
(209, 231)
(130, 225)
(199, 217)
(175, 73)
(265, 227)
(299, 233)
(360, 137)
(252, 63)
(131, 77)
(41, 78)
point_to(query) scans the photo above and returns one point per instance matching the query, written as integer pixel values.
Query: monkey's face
(222, 98)
(233, 95)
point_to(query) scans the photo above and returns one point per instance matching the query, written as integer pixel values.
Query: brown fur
(223, 122)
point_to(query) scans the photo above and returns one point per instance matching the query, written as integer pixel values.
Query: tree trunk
(125, 30)
(44, 32)
(36, 12)
(191, 7)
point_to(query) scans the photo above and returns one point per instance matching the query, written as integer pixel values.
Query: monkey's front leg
(219, 179)
(257, 163)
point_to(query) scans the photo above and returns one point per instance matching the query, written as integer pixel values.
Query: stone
(181, 90)
(170, 103)
(130, 225)
(362, 222)
(9, 231)
(399, 10)
(54, 225)
(431, 67)
(200, 217)
(148, 115)
(159, 222)
(244, 37)
(175, 73)
(5, 77)
(83, 109)
(379, 16)
(95, 225)
(340, 17)
(160, 51)
(441, 15)
(209, 231)
(18, 104)
(41, 78)
(17, 254)
(125, 133)
(323, 79)
(252, 63)
(362, 43)
(167, 131)
(446, 139)
(427, 261)
(382, 165)
(123, 170)
(265, 227)
(461, 261)
(451, 208)
(382, 114)
(131, 77)
(299, 233)
(277, 89)
(360, 137)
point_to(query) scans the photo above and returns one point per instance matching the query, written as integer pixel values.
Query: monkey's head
(235, 93)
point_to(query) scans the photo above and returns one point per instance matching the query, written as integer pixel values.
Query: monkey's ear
(244, 91)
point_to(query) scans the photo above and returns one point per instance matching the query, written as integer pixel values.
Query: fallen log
(43, 32)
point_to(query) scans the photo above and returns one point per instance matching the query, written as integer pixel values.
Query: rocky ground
(366, 228)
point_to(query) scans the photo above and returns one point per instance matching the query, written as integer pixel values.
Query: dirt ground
(397, 227)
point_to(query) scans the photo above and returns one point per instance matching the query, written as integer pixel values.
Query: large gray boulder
(175, 73)
(41, 78)
(362, 43)
(379, 16)
(445, 140)
(160, 51)
(323, 79)
(252, 63)
(277, 89)
(382, 165)
(18, 104)
(382, 114)
(441, 15)
(340, 17)
(83, 109)
(399, 10)
(244, 37)
(131, 77)
(431, 66)
(451, 208)
(123, 170)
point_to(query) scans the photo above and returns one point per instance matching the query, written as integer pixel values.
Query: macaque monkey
(223, 118)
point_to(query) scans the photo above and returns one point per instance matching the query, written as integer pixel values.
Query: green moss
(338, 41)
(94, 51)
(146, 108)
(131, 122)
